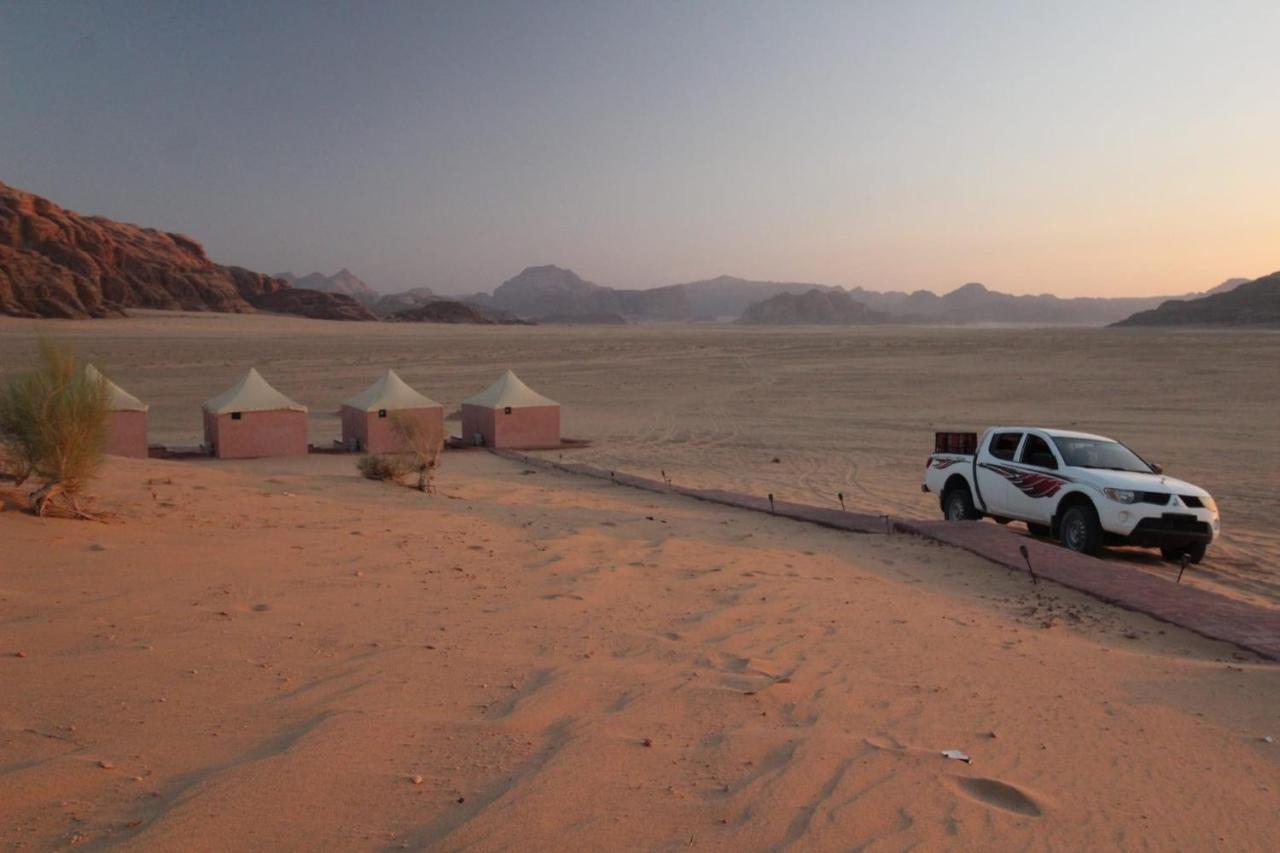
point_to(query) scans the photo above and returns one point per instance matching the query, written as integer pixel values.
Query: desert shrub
(53, 425)
(424, 444)
(384, 466)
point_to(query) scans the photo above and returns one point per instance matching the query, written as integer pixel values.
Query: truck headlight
(1209, 503)
(1121, 496)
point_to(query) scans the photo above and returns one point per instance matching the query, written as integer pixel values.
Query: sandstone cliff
(56, 263)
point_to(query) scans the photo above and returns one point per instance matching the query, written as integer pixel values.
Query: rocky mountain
(1255, 303)
(452, 311)
(726, 297)
(551, 291)
(392, 303)
(814, 307)
(1226, 287)
(56, 263)
(975, 303)
(313, 304)
(343, 281)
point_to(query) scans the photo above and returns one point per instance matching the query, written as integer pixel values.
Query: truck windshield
(1099, 453)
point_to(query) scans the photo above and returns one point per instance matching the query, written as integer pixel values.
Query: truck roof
(1051, 431)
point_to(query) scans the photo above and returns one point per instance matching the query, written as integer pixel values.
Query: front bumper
(1153, 528)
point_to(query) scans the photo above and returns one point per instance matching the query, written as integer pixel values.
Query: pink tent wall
(282, 432)
(373, 434)
(526, 428)
(127, 434)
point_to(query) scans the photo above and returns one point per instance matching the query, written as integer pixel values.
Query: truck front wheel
(1079, 529)
(957, 505)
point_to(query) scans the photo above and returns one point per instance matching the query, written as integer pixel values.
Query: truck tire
(1194, 552)
(1041, 530)
(1079, 529)
(957, 505)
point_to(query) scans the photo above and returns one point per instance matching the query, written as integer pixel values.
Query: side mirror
(1156, 468)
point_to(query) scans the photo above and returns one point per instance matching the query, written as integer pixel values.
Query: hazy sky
(1078, 147)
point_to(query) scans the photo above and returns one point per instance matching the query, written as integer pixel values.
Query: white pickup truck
(1085, 490)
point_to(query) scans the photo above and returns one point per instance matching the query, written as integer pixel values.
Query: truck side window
(1036, 452)
(1005, 444)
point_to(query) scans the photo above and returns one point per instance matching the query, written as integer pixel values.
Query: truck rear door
(1033, 491)
(991, 472)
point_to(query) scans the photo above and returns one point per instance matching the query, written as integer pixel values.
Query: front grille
(1192, 501)
(1173, 523)
(1157, 498)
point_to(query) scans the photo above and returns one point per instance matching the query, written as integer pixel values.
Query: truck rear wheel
(957, 505)
(1079, 529)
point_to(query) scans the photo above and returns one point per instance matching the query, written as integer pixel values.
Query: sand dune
(276, 654)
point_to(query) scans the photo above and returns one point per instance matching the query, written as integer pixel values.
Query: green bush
(53, 426)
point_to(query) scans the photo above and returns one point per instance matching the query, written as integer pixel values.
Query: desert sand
(848, 410)
(278, 655)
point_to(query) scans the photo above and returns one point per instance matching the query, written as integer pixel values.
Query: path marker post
(1026, 555)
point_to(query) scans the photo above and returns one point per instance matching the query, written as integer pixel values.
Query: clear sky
(1082, 148)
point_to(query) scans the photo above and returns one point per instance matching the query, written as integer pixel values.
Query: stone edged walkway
(1217, 617)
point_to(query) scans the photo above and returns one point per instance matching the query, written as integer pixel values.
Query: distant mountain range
(55, 262)
(1254, 303)
(816, 307)
(555, 294)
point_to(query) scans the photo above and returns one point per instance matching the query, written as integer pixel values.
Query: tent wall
(524, 428)
(278, 433)
(127, 434)
(367, 432)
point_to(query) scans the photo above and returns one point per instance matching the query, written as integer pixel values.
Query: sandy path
(266, 654)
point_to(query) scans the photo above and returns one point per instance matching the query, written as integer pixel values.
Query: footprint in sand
(996, 794)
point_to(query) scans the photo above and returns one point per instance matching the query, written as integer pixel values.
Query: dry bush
(384, 466)
(53, 426)
(424, 444)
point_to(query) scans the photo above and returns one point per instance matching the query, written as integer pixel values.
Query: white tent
(509, 391)
(251, 394)
(390, 393)
(118, 399)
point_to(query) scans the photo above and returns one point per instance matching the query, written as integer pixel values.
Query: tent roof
(250, 394)
(509, 391)
(118, 399)
(390, 392)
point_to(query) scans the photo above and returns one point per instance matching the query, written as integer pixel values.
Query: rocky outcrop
(726, 297)
(344, 281)
(451, 311)
(1255, 303)
(314, 304)
(816, 307)
(551, 291)
(393, 303)
(56, 263)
